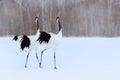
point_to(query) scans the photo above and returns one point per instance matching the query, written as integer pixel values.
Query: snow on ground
(77, 59)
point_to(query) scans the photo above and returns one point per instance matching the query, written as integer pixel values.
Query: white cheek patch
(36, 19)
(57, 20)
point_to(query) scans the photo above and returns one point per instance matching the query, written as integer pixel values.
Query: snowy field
(77, 59)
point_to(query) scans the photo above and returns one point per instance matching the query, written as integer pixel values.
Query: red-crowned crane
(29, 42)
(50, 41)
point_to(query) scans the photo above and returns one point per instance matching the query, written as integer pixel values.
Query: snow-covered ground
(77, 59)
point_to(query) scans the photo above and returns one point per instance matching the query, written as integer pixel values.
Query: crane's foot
(25, 66)
(55, 67)
(40, 65)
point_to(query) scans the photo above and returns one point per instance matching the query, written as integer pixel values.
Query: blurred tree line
(78, 17)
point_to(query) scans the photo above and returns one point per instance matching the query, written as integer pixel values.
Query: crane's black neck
(59, 24)
(37, 23)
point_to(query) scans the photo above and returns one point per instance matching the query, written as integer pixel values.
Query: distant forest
(87, 18)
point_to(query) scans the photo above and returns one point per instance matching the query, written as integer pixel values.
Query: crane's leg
(55, 61)
(27, 60)
(37, 55)
(41, 57)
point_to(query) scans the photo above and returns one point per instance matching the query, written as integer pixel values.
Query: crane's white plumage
(29, 42)
(47, 40)
(53, 42)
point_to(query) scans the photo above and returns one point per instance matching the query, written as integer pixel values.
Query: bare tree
(78, 17)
